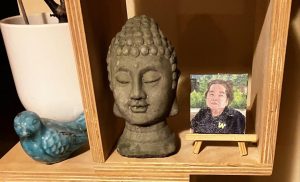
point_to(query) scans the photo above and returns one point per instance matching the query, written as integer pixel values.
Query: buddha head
(142, 72)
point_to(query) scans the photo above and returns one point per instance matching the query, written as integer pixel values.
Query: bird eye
(34, 121)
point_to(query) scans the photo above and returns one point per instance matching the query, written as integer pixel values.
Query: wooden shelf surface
(214, 157)
(17, 166)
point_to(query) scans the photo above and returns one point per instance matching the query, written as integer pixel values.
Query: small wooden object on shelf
(241, 139)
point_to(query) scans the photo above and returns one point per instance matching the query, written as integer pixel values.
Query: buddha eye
(151, 77)
(122, 81)
(123, 77)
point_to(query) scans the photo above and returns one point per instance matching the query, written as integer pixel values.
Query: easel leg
(197, 147)
(242, 148)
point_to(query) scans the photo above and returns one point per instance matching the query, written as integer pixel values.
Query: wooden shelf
(253, 44)
(219, 37)
(17, 165)
(177, 167)
(220, 158)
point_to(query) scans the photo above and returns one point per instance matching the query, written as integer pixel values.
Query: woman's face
(216, 97)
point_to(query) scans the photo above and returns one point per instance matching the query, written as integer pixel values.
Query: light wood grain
(242, 148)
(92, 33)
(77, 28)
(239, 138)
(197, 146)
(222, 137)
(267, 72)
(279, 31)
(259, 68)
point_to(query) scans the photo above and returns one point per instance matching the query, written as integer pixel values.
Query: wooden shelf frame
(91, 66)
(266, 78)
(92, 25)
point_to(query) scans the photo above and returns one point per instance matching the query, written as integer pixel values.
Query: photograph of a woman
(216, 116)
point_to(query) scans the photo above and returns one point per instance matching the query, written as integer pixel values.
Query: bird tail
(78, 124)
(75, 126)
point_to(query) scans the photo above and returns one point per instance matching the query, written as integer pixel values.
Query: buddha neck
(156, 140)
(145, 129)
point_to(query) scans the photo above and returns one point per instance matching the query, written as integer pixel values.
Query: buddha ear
(117, 111)
(174, 109)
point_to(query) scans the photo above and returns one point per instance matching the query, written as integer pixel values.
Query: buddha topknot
(142, 36)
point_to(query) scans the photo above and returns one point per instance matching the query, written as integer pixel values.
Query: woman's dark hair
(228, 87)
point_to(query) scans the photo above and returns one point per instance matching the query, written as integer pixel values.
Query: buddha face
(142, 88)
(216, 97)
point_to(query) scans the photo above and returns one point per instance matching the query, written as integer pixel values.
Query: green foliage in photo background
(199, 87)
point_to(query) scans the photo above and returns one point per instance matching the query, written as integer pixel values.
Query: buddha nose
(137, 91)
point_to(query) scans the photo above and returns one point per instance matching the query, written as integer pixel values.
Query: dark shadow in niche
(10, 104)
(260, 18)
(211, 43)
(197, 45)
(203, 44)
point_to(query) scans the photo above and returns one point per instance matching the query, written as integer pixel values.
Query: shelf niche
(236, 36)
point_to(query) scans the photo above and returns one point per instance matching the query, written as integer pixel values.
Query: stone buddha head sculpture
(143, 78)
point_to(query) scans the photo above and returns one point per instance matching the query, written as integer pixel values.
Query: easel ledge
(240, 138)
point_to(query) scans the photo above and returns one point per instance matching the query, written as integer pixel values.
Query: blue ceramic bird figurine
(49, 141)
